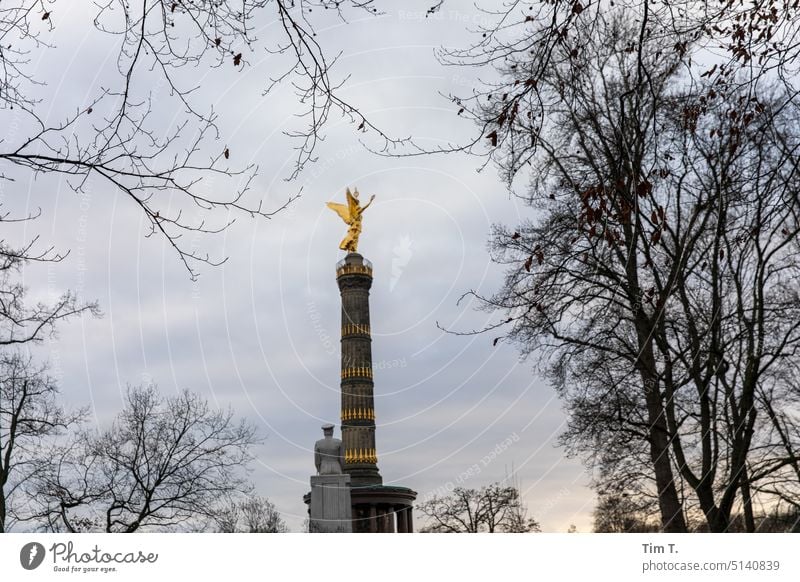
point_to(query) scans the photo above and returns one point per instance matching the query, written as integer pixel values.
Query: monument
(351, 213)
(330, 488)
(375, 507)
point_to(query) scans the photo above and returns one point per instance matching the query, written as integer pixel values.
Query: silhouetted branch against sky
(165, 462)
(119, 135)
(730, 44)
(659, 143)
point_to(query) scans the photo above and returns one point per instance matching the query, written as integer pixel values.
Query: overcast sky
(261, 332)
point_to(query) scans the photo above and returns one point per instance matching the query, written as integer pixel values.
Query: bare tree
(660, 276)
(494, 508)
(253, 514)
(729, 43)
(622, 513)
(30, 417)
(21, 323)
(164, 463)
(119, 135)
(775, 469)
(597, 135)
(29, 412)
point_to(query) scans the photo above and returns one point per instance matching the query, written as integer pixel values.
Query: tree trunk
(747, 503)
(672, 520)
(2, 511)
(717, 520)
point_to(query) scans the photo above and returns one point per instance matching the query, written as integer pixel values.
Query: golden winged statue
(351, 214)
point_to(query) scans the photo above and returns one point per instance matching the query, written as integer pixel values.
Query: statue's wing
(341, 210)
(352, 203)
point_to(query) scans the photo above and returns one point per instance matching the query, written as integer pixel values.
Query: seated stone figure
(329, 453)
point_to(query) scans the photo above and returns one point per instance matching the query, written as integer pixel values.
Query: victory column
(375, 507)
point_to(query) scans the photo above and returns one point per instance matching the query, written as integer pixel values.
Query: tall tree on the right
(659, 277)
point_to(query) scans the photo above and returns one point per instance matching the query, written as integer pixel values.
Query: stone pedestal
(330, 504)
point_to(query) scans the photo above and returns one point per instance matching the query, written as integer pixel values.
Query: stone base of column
(330, 506)
(378, 508)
